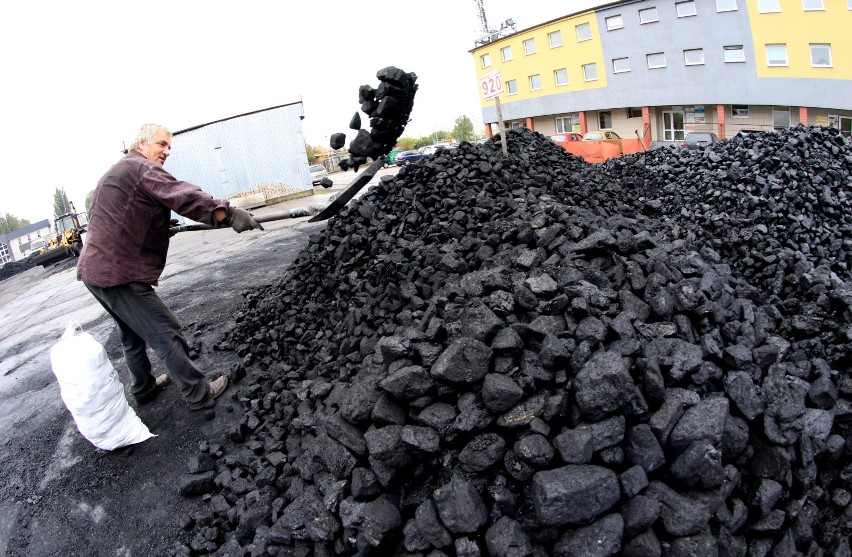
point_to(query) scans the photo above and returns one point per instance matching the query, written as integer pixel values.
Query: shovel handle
(296, 213)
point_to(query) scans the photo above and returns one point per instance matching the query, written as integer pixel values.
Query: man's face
(158, 149)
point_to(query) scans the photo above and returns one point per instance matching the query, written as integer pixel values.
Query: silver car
(699, 140)
(318, 172)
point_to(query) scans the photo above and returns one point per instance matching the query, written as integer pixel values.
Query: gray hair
(147, 133)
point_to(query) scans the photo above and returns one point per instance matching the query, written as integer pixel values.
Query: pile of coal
(388, 107)
(530, 356)
(15, 267)
(776, 206)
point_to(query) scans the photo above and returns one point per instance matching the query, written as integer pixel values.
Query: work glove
(241, 220)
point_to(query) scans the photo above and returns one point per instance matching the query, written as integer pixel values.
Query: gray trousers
(144, 320)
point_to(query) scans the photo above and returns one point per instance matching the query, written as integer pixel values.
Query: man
(124, 255)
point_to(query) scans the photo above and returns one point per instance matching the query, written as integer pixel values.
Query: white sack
(93, 393)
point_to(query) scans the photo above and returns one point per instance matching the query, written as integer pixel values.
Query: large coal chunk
(599, 539)
(460, 507)
(466, 360)
(506, 538)
(573, 494)
(337, 140)
(603, 385)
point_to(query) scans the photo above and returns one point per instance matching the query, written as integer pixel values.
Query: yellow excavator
(67, 240)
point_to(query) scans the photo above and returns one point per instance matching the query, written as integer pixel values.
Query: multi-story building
(20, 243)
(657, 69)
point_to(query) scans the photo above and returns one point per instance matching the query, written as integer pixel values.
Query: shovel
(326, 213)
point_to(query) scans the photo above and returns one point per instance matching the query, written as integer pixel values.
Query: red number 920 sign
(491, 85)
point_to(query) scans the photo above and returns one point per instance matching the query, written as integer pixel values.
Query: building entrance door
(780, 118)
(673, 125)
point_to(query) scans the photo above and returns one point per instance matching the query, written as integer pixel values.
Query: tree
(406, 144)
(61, 205)
(8, 223)
(463, 130)
(89, 197)
(440, 135)
(312, 153)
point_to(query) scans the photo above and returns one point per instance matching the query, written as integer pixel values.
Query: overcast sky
(79, 78)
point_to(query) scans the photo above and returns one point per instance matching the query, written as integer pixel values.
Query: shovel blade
(344, 196)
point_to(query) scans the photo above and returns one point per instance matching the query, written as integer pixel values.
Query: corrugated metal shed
(244, 153)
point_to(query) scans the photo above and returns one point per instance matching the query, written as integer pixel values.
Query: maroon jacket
(128, 232)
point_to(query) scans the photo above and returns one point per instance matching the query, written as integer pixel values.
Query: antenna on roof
(488, 34)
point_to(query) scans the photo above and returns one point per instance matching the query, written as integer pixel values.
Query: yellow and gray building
(657, 69)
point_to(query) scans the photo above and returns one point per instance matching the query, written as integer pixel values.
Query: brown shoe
(214, 389)
(159, 384)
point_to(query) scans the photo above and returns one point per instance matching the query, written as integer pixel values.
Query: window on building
(590, 72)
(529, 46)
(686, 9)
(512, 87)
(693, 57)
(780, 118)
(620, 65)
(634, 111)
(811, 5)
(486, 60)
(614, 22)
(584, 32)
(739, 111)
(734, 53)
(555, 39)
(535, 82)
(821, 55)
(563, 124)
(849, 4)
(726, 5)
(776, 54)
(768, 6)
(516, 125)
(656, 60)
(649, 15)
(561, 77)
(506, 53)
(605, 120)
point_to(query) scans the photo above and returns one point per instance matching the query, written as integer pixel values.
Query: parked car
(699, 140)
(318, 172)
(391, 158)
(432, 149)
(565, 137)
(407, 157)
(600, 136)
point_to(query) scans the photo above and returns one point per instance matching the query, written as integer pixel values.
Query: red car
(562, 139)
(565, 137)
